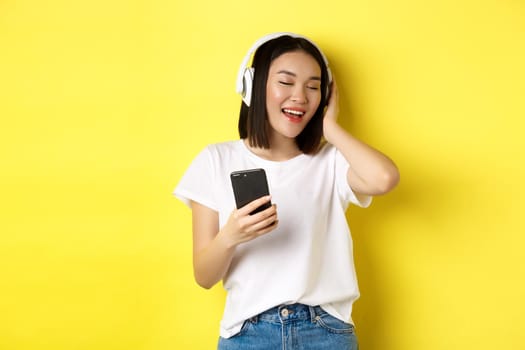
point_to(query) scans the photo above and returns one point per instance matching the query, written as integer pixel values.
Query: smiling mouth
(293, 114)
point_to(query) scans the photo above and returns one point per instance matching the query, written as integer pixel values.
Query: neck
(280, 149)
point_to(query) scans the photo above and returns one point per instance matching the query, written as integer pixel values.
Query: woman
(289, 269)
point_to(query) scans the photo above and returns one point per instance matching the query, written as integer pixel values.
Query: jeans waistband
(289, 313)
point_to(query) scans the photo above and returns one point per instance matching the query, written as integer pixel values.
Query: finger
(251, 223)
(262, 224)
(264, 213)
(267, 229)
(262, 231)
(334, 91)
(248, 208)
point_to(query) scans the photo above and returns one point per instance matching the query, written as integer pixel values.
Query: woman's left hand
(332, 110)
(371, 172)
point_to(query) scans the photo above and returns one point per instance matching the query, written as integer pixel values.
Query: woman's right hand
(214, 248)
(243, 227)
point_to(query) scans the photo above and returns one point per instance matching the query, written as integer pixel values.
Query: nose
(299, 95)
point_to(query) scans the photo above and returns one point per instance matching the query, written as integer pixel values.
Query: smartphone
(249, 185)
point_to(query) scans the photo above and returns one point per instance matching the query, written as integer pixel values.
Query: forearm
(211, 263)
(371, 172)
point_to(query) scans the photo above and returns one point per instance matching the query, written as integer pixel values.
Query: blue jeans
(293, 327)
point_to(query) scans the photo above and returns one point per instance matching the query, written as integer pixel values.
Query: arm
(213, 249)
(371, 172)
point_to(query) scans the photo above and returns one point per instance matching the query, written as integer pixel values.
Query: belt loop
(313, 314)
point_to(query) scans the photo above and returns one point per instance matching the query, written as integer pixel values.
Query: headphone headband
(245, 75)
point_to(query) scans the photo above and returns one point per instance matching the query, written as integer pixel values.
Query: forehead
(297, 62)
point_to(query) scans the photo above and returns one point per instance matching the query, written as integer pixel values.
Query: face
(293, 93)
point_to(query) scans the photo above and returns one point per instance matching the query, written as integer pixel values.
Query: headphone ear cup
(247, 85)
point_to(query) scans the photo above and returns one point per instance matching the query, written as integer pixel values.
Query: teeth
(290, 111)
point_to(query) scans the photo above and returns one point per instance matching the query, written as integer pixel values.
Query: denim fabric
(293, 327)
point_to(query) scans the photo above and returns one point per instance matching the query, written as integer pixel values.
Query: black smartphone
(249, 185)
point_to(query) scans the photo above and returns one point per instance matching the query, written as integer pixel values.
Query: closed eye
(285, 83)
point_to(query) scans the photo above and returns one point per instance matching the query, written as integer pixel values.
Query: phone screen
(249, 185)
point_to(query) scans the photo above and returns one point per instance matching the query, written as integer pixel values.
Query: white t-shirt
(308, 258)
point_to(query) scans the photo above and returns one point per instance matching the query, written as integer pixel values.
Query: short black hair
(253, 120)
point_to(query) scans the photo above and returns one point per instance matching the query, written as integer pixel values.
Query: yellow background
(103, 104)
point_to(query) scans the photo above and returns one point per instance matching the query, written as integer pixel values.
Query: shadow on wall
(420, 201)
(390, 229)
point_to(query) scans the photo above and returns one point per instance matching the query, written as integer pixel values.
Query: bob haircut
(253, 120)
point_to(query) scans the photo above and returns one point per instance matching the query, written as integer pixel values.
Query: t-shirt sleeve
(197, 182)
(345, 191)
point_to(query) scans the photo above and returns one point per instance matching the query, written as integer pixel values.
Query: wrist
(225, 240)
(330, 129)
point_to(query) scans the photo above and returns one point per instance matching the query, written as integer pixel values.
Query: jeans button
(284, 312)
